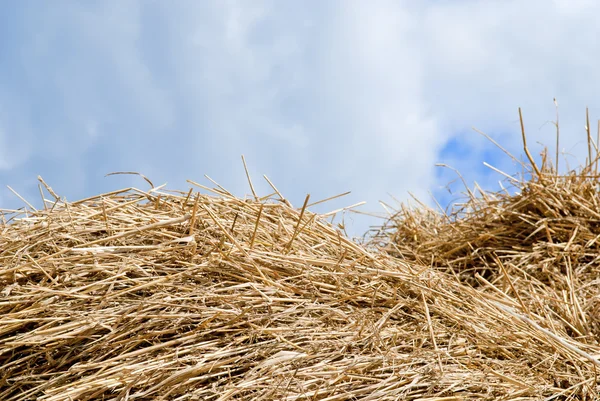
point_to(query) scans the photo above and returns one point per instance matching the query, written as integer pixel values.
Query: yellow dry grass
(158, 295)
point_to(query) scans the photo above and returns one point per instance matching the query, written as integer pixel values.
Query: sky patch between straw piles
(323, 97)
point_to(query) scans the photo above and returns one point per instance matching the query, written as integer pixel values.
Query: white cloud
(323, 98)
(15, 137)
(5, 163)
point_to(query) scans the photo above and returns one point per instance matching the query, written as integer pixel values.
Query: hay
(156, 295)
(538, 246)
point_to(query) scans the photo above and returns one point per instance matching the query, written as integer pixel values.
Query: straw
(163, 295)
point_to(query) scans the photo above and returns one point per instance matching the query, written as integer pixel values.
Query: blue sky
(323, 97)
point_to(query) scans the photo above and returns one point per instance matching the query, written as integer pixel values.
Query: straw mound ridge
(148, 296)
(540, 247)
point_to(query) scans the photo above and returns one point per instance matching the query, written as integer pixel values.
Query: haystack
(164, 295)
(537, 245)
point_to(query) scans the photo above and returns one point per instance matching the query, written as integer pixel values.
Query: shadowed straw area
(135, 295)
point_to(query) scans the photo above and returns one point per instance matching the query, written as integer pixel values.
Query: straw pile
(156, 295)
(538, 248)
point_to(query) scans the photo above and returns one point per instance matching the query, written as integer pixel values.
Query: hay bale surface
(136, 295)
(539, 247)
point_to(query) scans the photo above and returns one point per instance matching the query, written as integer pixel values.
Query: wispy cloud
(323, 97)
